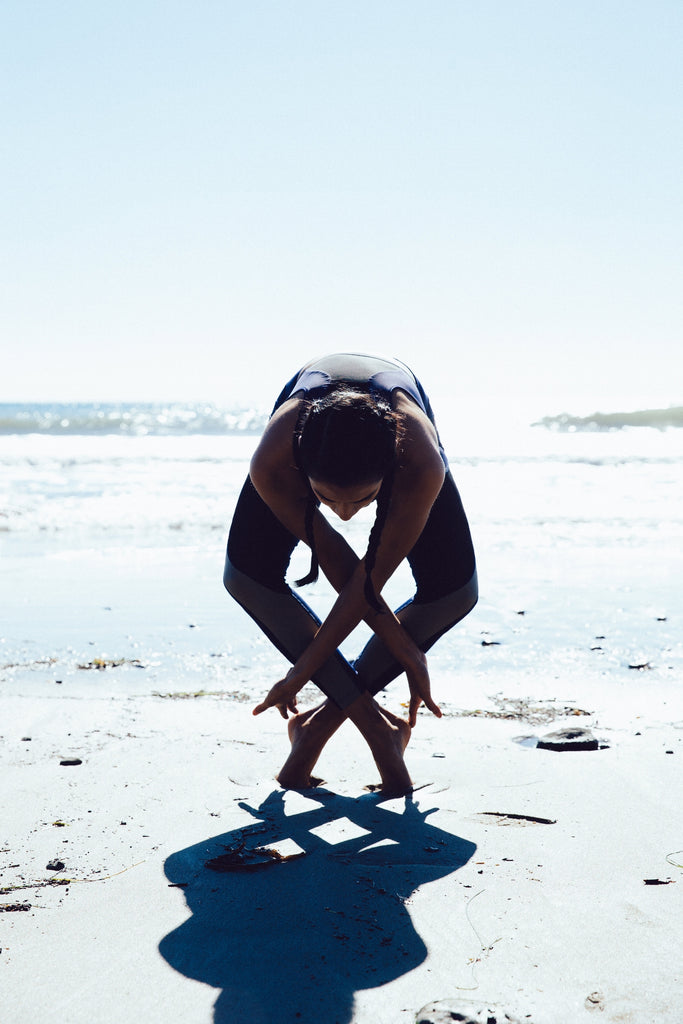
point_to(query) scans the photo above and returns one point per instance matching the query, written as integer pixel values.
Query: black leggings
(443, 566)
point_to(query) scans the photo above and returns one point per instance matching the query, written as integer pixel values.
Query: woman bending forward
(346, 431)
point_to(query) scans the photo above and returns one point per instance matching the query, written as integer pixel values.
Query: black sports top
(354, 368)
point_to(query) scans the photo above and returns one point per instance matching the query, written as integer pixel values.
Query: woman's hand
(283, 695)
(420, 687)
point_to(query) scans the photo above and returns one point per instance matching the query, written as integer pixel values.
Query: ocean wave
(658, 419)
(134, 420)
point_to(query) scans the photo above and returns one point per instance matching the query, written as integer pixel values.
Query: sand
(514, 881)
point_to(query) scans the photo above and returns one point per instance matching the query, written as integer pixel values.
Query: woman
(346, 431)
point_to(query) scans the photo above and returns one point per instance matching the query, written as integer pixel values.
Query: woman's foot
(389, 758)
(387, 735)
(308, 734)
(403, 727)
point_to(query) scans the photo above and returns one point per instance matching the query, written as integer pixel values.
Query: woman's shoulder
(420, 451)
(274, 450)
(416, 424)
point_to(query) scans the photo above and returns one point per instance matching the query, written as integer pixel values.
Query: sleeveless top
(384, 375)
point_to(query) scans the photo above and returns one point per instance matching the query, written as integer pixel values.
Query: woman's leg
(259, 550)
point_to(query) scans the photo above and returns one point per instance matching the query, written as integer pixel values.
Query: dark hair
(349, 436)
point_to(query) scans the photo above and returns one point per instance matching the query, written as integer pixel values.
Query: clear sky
(199, 193)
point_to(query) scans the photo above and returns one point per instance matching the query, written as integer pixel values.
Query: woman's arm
(339, 564)
(417, 482)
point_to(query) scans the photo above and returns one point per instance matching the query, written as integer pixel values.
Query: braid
(312, 574)
(383, 502)
(311, 502)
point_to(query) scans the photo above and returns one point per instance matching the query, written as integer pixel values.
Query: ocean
(113, 520)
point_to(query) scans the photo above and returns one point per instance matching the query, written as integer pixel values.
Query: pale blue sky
(196, 193)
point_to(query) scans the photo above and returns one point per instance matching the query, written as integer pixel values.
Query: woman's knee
(464, 599)
(228, 575)
(453, 605)
(233, 579)
(472, 589)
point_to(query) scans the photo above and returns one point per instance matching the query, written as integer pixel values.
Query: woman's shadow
(293, 940)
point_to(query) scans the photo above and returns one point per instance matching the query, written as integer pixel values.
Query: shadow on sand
(292, 942)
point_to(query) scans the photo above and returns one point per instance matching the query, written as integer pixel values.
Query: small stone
(595, 1001)
(569, 739)
(55, 865)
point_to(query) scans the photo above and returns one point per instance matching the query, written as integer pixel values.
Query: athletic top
(379, 374)
(374, 372)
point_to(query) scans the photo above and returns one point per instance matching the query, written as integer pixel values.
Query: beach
(515, 883)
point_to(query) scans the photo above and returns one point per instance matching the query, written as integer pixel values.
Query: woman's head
(345, 444)
(347, 438)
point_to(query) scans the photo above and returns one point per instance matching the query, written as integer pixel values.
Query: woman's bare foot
(387, 735)
(308, 734)
(400, 724)
(389, 760)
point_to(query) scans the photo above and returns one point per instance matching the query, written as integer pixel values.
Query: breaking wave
(658, 419)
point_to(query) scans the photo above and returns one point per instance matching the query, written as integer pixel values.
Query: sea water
(113, 522)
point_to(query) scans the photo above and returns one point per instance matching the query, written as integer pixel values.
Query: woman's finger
(433, 707)
(271, 700)
(421, 693)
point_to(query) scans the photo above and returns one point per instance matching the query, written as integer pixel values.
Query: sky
(199, 196)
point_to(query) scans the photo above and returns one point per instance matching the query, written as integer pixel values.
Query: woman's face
(345, 501)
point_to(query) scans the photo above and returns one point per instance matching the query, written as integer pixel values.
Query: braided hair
(348, 436)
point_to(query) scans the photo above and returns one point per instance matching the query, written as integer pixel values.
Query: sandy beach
(516, 883)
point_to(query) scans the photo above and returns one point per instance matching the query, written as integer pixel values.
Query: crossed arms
(417, 482)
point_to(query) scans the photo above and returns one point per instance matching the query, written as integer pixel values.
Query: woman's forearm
(346, 573)
(338, 562)
(346, 613)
